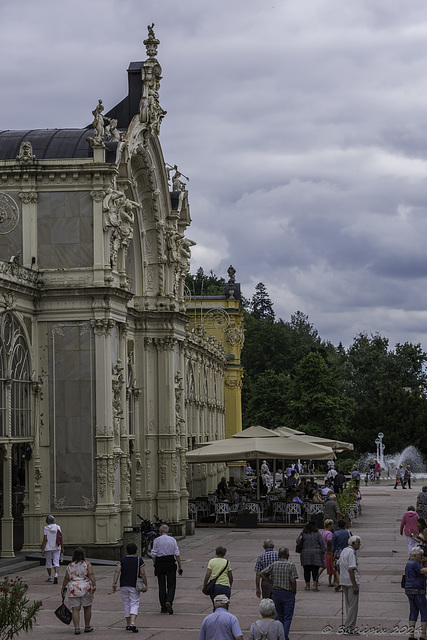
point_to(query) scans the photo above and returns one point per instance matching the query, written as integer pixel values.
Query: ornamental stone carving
(28, 197)
(151, 113)
(9, 214)
(118, 223)
(25, 155)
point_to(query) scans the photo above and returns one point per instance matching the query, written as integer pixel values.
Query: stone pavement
(383, 607)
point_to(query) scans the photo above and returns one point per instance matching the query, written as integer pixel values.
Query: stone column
(7, 519)
(99, 258)
(29, 229)
(125, 462)
(105, 514)
(168, 494)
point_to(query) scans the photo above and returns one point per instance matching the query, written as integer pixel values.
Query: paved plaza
(383, 608)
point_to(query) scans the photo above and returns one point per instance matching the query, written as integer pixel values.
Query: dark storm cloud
(302, 126)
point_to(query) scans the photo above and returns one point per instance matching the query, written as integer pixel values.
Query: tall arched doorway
(15, 429)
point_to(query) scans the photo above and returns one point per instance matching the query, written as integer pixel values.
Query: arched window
(15, 379)
(131, 400)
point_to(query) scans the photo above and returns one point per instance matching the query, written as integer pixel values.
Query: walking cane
(342, 608)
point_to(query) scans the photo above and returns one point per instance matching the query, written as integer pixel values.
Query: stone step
(16, 566)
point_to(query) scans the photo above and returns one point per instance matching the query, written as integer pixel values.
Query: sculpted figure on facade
(111, 131)
(98, 123)
(177, 184)
(151, 113)
(25, 155)
(118, 223)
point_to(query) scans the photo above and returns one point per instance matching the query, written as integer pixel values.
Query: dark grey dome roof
(51, 144)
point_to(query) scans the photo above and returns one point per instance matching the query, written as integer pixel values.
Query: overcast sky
(302, 125)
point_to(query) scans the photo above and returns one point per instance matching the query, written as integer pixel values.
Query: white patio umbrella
(246, 446)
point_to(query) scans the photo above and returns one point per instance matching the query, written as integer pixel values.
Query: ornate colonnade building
(95, 347)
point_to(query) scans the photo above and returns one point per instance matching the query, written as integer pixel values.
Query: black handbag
(299, 544)
(63, 613)
(403, 581)
(209, 587)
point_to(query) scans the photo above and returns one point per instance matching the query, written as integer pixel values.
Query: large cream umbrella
(336, 445)
(245, 446)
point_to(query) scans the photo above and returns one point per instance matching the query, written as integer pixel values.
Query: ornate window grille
(15, 379)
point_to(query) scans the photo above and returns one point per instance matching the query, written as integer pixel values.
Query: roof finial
(151, 43)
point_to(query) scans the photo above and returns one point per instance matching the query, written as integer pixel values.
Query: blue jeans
(285, 604)
(417, 604)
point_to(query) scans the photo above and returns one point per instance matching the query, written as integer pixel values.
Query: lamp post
(381, 447)
(378, 442)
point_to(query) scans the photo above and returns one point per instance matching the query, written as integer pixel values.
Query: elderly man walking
(284, 576)
(269, 556)
(165, 554)
(349, 578)
(221, 624)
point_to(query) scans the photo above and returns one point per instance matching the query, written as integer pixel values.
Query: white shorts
(130, 598)
(52, 558)
(84, 601)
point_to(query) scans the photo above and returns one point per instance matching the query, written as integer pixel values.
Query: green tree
(261, 304)
(205, 285)
(388, 388)
(267, 400)
(317, 403)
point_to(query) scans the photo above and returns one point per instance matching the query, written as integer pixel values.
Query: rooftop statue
(177, 184)
(98, 123)
(151, 43)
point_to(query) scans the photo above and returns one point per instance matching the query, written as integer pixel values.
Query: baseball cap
(221, 599)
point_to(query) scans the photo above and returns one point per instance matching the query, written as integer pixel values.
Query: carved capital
(28, 197)
(98, 195)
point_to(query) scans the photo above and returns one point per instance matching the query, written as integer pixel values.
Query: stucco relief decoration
(217, 318)
(102, 476)
(151, 113)
(179, 389)
(118, 223)
(59, 503)
(28, 197)
(234, 336)
(25, 155)
(89, 503)
(9, 300)
(9, 214)
(117, 382)
(163, 471)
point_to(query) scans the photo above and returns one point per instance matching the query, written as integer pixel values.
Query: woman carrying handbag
(133, 581)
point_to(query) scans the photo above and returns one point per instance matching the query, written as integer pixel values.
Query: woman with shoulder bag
(219, 570)
(131, 569)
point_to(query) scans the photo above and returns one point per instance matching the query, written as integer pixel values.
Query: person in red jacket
(409, 527)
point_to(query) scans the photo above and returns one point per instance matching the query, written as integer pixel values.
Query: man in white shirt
(165, 555)
(349, 580)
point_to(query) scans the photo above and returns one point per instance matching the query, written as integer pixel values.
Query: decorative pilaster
(7, 519)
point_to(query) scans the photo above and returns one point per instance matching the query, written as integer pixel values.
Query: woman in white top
(52, 547)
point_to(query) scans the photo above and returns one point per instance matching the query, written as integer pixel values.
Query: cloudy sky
(302, 125)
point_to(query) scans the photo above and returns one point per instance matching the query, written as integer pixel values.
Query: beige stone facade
(102, 383)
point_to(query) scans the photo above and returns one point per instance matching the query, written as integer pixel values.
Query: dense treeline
(294, 378)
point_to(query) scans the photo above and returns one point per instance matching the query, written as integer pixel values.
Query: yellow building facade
(220, 318)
